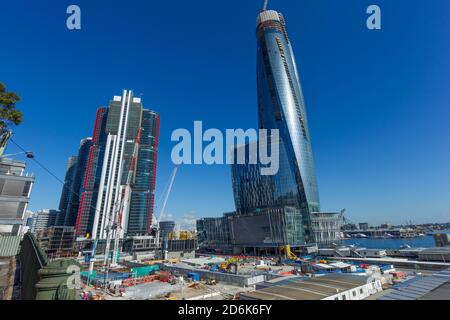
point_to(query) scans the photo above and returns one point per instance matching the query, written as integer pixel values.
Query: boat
(360, 235)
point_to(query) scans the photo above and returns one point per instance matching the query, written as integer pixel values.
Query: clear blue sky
(378, 102)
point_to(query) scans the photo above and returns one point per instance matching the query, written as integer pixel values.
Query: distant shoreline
(419, 242)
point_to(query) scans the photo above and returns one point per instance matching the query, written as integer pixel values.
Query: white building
(44, 219)
(15, 191)
(334, 286)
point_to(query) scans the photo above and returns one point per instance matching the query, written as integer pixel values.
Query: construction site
(226, 277)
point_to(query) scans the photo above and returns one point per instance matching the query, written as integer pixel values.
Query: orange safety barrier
(131, 282)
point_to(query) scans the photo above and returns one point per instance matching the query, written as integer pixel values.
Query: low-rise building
(57, 240)
(327, 287)
(371, 253)
(363, 226)
(326, 227)
(441, 254)
(44, 219)
(434, 287)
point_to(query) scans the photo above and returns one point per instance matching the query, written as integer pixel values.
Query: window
(344, 297)
(354, 293)
(361, 291)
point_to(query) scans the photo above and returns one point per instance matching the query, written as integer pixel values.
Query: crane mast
(166, 197)
(156, 221)
(115, 226)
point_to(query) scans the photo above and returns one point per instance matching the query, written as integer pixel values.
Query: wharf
(400, 263)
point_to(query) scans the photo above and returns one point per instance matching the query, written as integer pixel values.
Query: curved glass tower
(281, 106)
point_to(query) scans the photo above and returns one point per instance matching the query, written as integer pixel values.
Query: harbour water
(420, 242)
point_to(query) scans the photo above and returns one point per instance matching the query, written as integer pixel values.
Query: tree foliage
(8, 112)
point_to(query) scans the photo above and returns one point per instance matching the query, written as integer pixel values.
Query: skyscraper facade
(281, 106)
(66, 190)
(281, 209)
(140, 218)
(74, 201)
(120, 176)
(70, 196)
(92, 175)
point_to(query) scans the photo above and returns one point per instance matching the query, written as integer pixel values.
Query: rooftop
(297, 288)
(437, 250)
(434, 287)
(9, 246)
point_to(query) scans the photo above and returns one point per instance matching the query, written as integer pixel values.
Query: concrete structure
(335, 252)
(44, 219)
(15, 191)
(57, 240)
(327, 287)
(166, 227)
(241, 280)
(326, 227)
(435, 254)
(261, 232)
(399, 263)
(442, 239)
(412, 253)
(141, 244)
(371, 253)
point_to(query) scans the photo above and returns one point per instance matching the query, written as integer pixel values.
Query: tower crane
(156, 221)
(166, 197)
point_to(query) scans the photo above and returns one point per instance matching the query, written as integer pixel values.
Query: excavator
(230, 263)
(288, 254)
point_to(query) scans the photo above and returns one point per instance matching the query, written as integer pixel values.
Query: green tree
(8, 112)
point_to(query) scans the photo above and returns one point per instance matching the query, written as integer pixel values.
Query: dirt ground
(7, 271)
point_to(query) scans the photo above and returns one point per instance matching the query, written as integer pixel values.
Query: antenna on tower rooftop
(266, 2)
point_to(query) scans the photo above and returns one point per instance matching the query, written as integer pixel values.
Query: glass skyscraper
(119, 129)
(280, 106)
(142, 197)
(66, 192)
(92, 175)
(73, 182)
